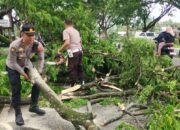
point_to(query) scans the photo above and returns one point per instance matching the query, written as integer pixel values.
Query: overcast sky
(175, 18)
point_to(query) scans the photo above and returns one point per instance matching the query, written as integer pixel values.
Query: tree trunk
(151, 24)
(75, 117)
(127, 27)
(103, 34)
(102, 94)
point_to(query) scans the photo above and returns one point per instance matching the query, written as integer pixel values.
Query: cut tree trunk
(71, 89)
(75, 117)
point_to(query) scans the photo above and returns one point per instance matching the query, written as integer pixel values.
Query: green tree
(109, 13)
(145, 10)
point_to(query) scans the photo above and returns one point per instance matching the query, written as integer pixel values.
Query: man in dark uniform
(164, 41)
(17, 63)
(73, 45)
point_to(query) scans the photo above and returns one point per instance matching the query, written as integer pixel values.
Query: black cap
(28, 29)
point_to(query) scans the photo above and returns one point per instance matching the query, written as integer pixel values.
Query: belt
(76, 50)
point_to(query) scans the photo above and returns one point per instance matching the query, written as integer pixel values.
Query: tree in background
(89, 16)
(48, 16)
(145, 10)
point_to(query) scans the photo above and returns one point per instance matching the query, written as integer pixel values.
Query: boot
(18, 116)
(34, 108)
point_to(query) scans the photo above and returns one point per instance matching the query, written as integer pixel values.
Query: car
(145, 35)
(122, 34)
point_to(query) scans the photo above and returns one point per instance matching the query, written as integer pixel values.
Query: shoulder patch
(13, 49)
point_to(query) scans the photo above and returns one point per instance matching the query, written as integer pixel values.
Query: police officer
(17, 63)
(73, 45)
(164, 42)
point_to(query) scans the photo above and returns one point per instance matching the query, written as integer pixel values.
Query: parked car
(122, 34)
(145, 35)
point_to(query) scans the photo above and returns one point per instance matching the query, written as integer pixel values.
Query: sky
(175, 18)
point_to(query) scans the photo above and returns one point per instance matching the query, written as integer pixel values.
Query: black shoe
(19, 120)
(18, 115)
(36, 110)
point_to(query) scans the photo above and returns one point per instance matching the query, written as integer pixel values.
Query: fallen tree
(100, 95)
(84, 119)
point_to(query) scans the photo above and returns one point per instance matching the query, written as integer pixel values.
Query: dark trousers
(15, 82)
(75, 68)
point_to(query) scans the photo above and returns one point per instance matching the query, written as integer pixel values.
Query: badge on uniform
(21, 50)
(70, 53)
(13, 49)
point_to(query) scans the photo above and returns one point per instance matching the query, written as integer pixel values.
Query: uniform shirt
(19, 56)
(74, 38)
(165, 37)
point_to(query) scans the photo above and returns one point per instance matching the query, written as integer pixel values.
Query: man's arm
(40, 57)
(160, 46)
(64, 46)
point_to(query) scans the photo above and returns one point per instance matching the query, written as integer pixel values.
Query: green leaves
(164, 119)
(4, 82)
(111, 100)
(126, 126)
(76, 103)
(145, 93)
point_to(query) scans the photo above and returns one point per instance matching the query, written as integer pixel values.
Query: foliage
(26, 87)
(138, 63)
(52, 71)
(125, 126)
(136, 57)
(56, 88)
(93, 57)
(76, 103)
(164, 118)
(145, 93)
(4, 82)
(44, 103)
(4, 40)
(111, 100)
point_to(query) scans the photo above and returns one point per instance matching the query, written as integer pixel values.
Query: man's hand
(26, 76)
(60, 61)
(158, 55)
(59, 52)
